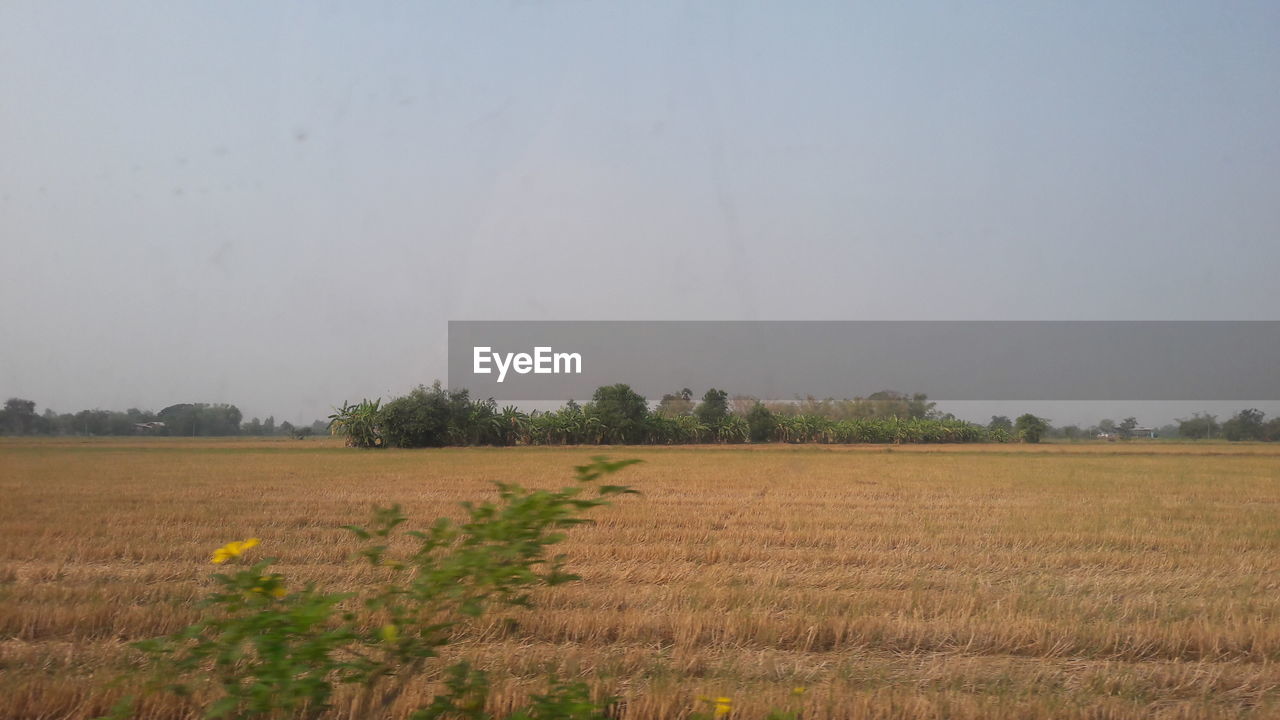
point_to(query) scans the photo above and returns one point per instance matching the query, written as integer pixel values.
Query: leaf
(358, 531)
(223, 707)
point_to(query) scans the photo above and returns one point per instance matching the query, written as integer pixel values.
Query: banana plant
(734, 429)
(689, 429)
(360, 424)
(514, 426)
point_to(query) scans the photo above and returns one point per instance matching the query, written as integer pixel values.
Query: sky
(281, 205)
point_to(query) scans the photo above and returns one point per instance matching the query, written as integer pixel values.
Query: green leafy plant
(1031, 428)
(263, 651)
(360, 424)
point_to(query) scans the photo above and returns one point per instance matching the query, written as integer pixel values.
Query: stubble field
(1090, 581)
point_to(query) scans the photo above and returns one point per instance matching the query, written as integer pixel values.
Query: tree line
(437, 417)
(19, 417)
(1245, 425)
(1249, 424)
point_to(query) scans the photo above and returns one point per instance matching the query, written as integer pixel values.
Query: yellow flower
(797, 691)
(390, 633)
(279, 592)
(723, 706)
(232, 550)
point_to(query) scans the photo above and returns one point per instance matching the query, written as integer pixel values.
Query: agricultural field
(1128, 580)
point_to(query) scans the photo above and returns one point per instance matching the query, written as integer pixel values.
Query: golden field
(1059, 581)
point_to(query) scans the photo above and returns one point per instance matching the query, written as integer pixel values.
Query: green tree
(18, 417)
(1271, 431)
(676, 404)
(48, 424)
(1199, 426)
(714, 407)
(196, 419)
(427, 417)
(621, 413)
(761, 423)
(1030, 428)
(920, 408)
(890, 403)
(1126, 426)
(93, 422)
(1000, 422)
(1245, 425)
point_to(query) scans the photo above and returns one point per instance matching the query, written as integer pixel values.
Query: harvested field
(1076, 581)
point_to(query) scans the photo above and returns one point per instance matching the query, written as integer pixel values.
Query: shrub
(761, 421)
(264, 650)
(436, 417)
(1030, 428)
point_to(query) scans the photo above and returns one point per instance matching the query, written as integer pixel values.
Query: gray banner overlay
(948, 360)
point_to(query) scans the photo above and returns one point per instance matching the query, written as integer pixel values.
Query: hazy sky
(280, 205)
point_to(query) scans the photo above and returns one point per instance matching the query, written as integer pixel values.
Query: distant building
(1144, 432)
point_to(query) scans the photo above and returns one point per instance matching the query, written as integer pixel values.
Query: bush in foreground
(266, 650)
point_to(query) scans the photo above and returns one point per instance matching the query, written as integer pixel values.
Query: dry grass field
(1091, 581)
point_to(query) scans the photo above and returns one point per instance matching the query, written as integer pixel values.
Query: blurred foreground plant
(265, 652)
